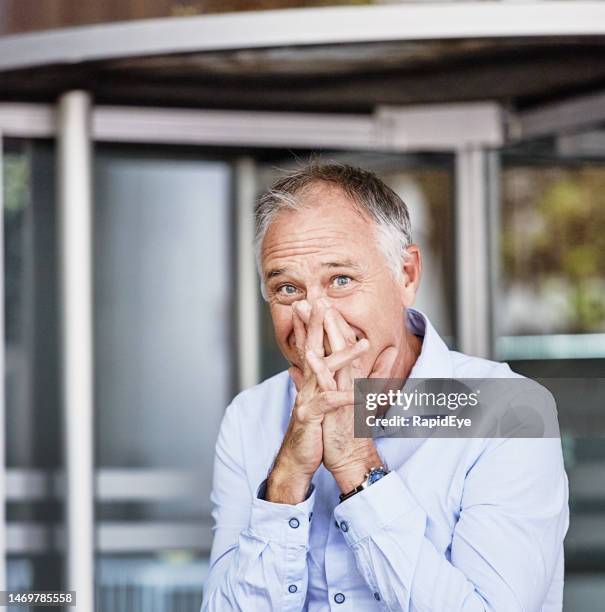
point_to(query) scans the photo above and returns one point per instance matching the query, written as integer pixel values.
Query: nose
(315, 294)
(304, 307)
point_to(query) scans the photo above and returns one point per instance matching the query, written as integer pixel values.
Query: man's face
(328, 250)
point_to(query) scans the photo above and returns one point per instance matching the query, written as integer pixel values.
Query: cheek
(375, 318)
(358, 313)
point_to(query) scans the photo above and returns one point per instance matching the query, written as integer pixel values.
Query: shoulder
(276, 385)
(269, 397)
(254, 424)
(468, 366)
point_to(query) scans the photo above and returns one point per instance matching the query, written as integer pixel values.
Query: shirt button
(344, 526)
(377, 596)
(293, 522)
(339, 598)
(292, 588)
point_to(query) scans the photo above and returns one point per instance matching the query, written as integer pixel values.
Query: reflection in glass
(167, 583)
(31, 345)
(162, 306)
(553, 249)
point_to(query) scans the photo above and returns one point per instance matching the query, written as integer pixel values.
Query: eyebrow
(346, 263)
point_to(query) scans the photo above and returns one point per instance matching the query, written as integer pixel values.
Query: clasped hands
(321, 427)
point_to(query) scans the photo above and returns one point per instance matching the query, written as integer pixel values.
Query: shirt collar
(434, 360)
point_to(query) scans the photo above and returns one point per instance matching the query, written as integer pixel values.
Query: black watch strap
(357, 489)
(365, 484)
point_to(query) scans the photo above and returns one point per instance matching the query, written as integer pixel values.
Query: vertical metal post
(2, 386)
(74, 174)
(472, 283)
(493, 178)
(248, 320)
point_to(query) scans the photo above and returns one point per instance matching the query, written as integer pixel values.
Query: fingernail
(363, 343)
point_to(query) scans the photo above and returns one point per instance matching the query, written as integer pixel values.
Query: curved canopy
(345, 59)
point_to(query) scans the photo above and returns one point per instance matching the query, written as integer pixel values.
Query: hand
(346, 457)
(302, 448)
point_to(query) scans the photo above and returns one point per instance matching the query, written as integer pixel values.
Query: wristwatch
(374, 474)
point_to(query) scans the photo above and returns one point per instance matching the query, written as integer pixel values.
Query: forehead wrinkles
(296, 243)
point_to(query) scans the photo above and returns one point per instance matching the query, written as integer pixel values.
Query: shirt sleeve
(258, 559)
(505, 545)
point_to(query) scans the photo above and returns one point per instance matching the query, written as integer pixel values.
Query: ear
(412, 270)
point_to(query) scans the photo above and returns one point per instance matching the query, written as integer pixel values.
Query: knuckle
(327, 398)
(301, 414)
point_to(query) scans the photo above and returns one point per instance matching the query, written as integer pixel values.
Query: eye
(286, 289)
(342, 280)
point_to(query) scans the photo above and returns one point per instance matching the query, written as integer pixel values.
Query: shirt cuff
(375, 507)
(288, 524)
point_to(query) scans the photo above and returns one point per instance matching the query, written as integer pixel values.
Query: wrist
(284, 487)
(352, 475)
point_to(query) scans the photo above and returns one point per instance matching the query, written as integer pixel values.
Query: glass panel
(31, 305)
(163, 357)
(425, 183)
(166, 583)
(552, 246)
(162, 302)
(31, 344)
(550, 318)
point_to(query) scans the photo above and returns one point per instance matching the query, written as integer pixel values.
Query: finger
(324, 377)
(333, 331)
(344, 375)
(300, 331)
(315, 331)
(331, 400)
(297, 376)
(300, 335)
(327, 345)
(303, 309)
(384, 366)
(346, 356)
(337, 323)
(346, 379)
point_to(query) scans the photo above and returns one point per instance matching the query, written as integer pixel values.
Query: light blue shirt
(458, 524)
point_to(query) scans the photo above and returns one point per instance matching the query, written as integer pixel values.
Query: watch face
(376, 475)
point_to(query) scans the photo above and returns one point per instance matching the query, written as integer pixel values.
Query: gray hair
(368, 195)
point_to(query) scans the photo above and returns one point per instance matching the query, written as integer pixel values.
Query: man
(440, 524)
